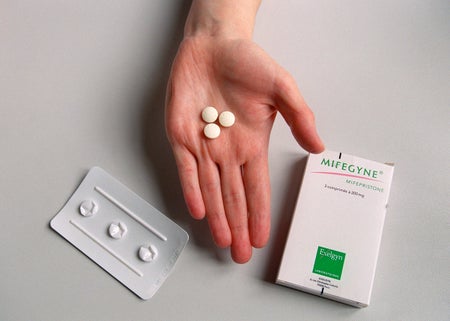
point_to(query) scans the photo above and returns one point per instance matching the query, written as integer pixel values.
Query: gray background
(82, 84)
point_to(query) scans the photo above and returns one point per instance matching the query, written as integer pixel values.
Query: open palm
(227, 179)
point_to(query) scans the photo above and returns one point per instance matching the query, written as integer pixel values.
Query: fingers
(202, 193)
(221, 197)
(257, 190)
(235, 204)
(296, 112)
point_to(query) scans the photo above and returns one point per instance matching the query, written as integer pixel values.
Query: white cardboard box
(335, 234)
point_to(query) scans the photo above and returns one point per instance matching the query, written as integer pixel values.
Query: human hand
(227, 179)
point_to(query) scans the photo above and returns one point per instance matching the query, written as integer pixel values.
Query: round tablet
(209, 114)
(226, 119)
(88, 208)
(117, 230)
(148, 253)
(211, 131)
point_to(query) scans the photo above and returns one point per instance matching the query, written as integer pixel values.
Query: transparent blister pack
(122, 233)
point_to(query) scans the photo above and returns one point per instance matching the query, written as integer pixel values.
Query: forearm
(227, 18)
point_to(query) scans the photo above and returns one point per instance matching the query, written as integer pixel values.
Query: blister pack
(122, 233)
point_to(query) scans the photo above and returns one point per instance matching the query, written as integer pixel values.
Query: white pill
(117, 230)
(148, 253)
(88, 208)
(227, 119)
(209, 114)
(211, 131)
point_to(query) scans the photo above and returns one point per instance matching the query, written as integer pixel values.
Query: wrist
(219, 18)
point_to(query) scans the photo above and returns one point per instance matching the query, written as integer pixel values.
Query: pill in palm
(211, 131)
(209, 114)
(227, 119)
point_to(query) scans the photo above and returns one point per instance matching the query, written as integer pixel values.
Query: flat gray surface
(82, 84)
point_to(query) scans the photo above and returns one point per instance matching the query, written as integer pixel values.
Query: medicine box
(335, 234)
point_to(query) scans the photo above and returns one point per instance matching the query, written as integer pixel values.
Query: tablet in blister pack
(118, 230)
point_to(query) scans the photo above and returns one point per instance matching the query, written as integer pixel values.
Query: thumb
(296, 112)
